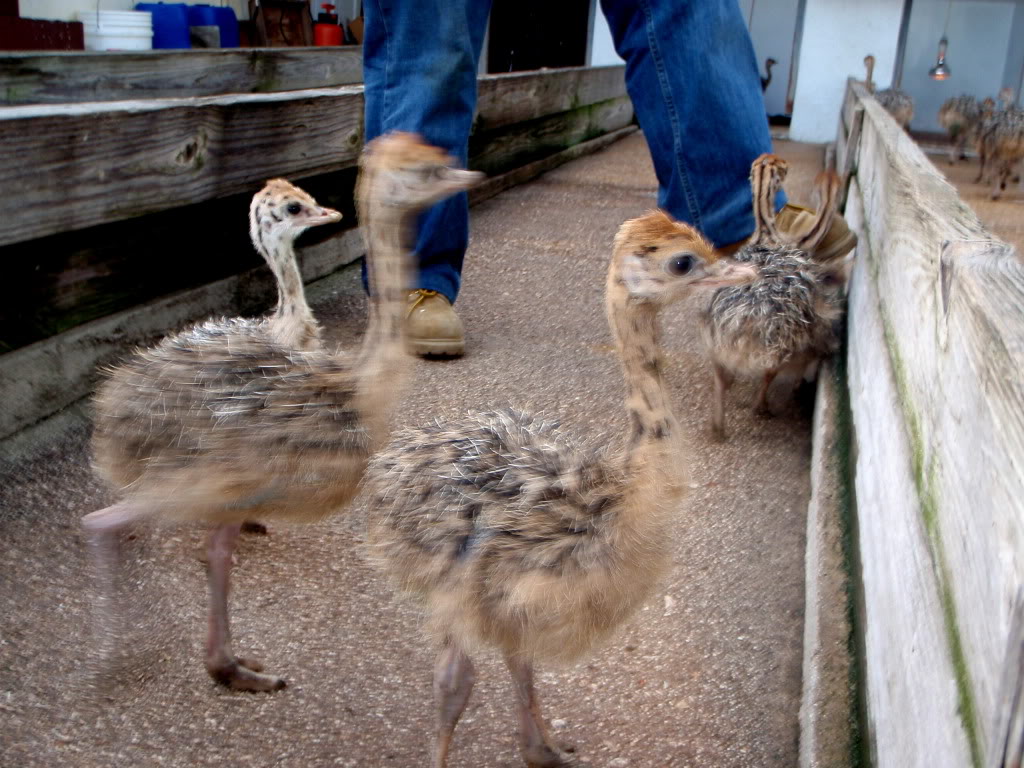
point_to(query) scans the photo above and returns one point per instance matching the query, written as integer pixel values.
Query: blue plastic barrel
(228, 23)
(202, 15)
(170, 24)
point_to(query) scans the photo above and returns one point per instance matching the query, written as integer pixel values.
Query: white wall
(602, 49)
(772, 25)
(979, 42)
(837, 35)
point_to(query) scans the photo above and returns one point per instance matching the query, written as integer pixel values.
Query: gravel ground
(708, 674)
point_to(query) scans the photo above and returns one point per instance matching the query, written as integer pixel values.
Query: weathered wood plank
(949, 299)
(497, 151)
(38, 380)
(496, 184)
(64, 280)
(97, 163)
(82, 76)
(93, 164)
(521, 96)
(910, 690)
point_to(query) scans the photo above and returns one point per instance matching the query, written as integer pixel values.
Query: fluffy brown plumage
(220, 423)
(240, 419)
(896, 101)
(1000, 143)
(787, 318)
(518, 536)
(961, 116)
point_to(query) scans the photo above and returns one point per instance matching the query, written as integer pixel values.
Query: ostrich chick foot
(547, 756)
(244, 675)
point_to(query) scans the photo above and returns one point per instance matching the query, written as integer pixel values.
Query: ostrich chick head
(400, 170)
(280, 212)
(660, 260)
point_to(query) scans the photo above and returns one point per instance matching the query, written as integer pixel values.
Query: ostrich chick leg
(761, 404)
(223, 666)
(534, 742)
(102, 530)
(453, 682)
(723, 380)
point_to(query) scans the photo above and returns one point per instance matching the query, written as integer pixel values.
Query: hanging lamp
(940, 71)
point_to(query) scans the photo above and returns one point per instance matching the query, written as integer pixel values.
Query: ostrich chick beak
(323, 216)
(461, 179)
(728, 272)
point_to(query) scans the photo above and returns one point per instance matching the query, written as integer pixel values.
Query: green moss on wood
(924, 474)
(263, 66)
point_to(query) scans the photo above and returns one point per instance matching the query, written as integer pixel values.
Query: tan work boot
(838, 241)
(795, 219)
(432, 328)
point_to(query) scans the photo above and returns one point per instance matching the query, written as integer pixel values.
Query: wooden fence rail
(130, 206)
(95, 163)
(81, 76)
(936, 355)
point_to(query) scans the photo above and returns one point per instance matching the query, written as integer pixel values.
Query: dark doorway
(530, 34)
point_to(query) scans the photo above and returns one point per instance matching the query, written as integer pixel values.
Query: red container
(326, 30)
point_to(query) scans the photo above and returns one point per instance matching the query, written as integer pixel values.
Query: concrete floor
(707, 675)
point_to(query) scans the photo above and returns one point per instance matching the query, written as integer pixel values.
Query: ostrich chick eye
(681, 264)
(294, 208)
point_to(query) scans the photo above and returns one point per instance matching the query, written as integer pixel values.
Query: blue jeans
(690, 72)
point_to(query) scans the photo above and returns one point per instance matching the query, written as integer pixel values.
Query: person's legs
(696, 89)
(419, 66)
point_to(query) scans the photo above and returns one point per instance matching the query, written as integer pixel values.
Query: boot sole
(437, 347)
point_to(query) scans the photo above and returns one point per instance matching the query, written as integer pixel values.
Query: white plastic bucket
(117, 30)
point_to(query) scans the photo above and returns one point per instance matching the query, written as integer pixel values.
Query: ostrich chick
(766, 79)
(514, 535)
(895, 101)
(233, 420)
(961, 117)
(786, 319)
(1000, 142)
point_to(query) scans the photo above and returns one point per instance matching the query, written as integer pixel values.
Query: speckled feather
(793, 309)
(1000, 145)
(274, 429)
(960, 114)
(790, 315)
(512, 532)
(1005, 126)
(897, 103)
